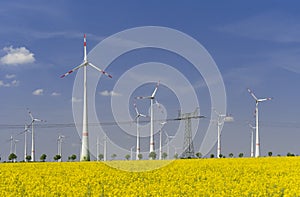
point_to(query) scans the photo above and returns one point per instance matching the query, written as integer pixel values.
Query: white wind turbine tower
(26, 130)
(252, 148)
(160, 140)
(59, 145)
(221, 119)
(152, 97)
(168, 142)
(257, 145)
(33, 120)
(137, 118)
(85, 154)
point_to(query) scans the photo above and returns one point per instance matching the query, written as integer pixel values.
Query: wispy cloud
(38, 92)
(13, 83)
(55, 94)
(110, 93)
(17, 56)
(271, 26)
(10, 76)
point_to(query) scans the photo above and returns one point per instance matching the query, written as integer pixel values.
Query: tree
(28, 158)
(176, 156)
(220, 156)
(127, 157)
(290, 154)
(56, 157)
(270, 154)
(152, 155)
(230, 155)
(73, 157)
(164, 155)
(43, 157)
(140, 156)
(113, 156)
(241, 155)
(100, 157)
(212, 155)
(199, 155)
(12, 157)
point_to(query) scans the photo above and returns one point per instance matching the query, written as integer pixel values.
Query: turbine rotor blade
(74, 69)
(264, 99)
(29, 112)
(102, 71)
(143, 97)
(155, 90)
(252, 94)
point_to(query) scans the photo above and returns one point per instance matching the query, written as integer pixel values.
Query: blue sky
(255, 44)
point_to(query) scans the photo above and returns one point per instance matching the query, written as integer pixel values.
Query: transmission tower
(188, 147)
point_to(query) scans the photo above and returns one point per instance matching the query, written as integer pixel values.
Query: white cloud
(14, 83)
(17, 56)
(3, 84)
(38, 92)
(55, 94)
(109, 93)
(10, 76)
(76, 100)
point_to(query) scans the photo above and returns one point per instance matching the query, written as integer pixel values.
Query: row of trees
(12, 157)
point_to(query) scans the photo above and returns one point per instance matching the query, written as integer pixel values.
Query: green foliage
(140, 156)
(199, 155)
(164, 155)
(241, 155)
(230, 155)
(100, 157)
(56, 157)
(152, 155)
(28, 158)
(43, 157)
(12, 156)
(212, 155)
(270, 154)
(127, 157)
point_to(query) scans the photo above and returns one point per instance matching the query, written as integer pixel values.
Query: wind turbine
(152, 97)
(26, 130)
(137, 118)
(85, 154)
(221, 119)
(160, 140)
(168, 142)
(252, 148)
(59, 145)
(33, 120)
(257, 100)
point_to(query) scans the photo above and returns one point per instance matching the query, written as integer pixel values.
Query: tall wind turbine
(137, 118)
(257, 145)
(160, 140)
(33, 120)
(85, 154)
(252, 148)
(221, 119)
(152, 97)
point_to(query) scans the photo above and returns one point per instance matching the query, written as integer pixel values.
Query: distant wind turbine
(59, 145)
(257, 145)
(221, 119)
(85, 153)
(252, 148)
(137, 118)
(25, 131)
(33, 120)
(152, 97)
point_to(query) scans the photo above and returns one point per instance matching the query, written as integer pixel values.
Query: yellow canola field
(276, 176)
